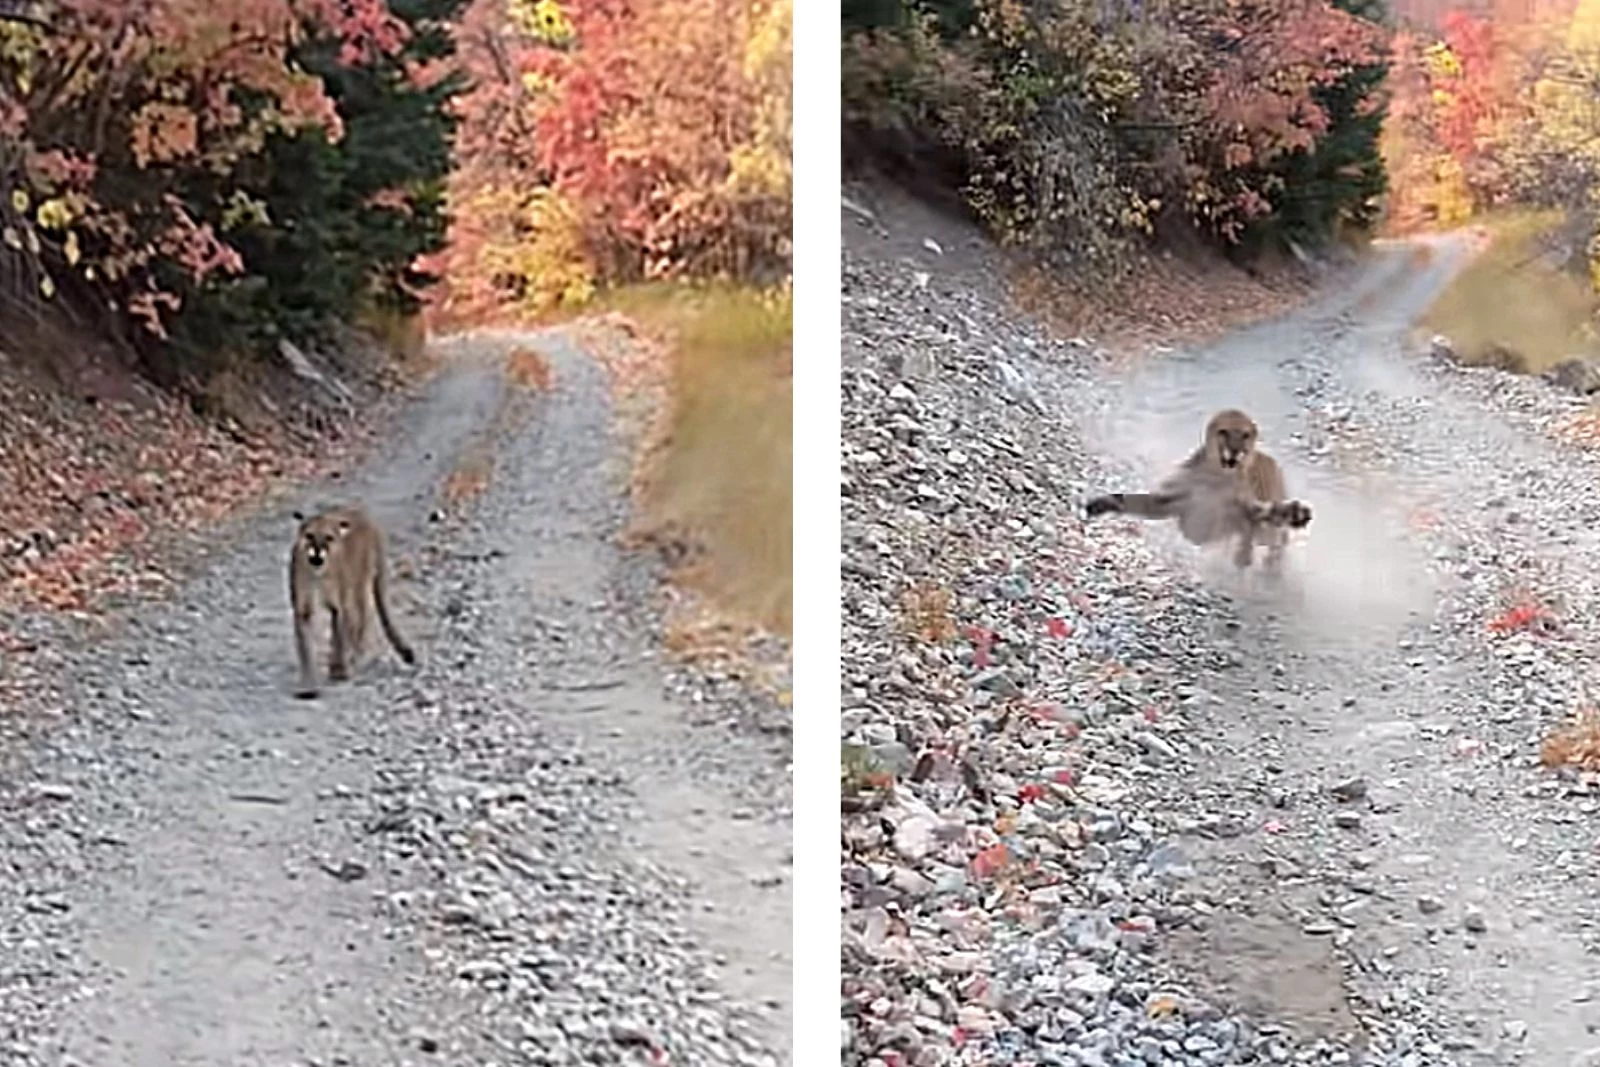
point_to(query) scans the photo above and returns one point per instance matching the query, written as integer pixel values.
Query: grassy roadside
(716, 480)
(1515, 305)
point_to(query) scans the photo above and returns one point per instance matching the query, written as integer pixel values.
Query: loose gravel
(521, 852)
(1111, 804)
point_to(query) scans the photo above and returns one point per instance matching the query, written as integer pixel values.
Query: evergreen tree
(954, 16)
(323, 248)
(1338, 181)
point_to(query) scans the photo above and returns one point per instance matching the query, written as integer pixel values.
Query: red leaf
(1030, 792)
(1058, 627)
(990, 860)
(982, 640)
(1519, 617)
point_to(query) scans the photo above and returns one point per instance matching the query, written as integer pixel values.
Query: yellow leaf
(55, 213)
(19, 200)
(543, 20)
(70, 250)
(47, 287)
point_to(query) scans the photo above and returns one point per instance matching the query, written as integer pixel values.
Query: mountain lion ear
(344, 526)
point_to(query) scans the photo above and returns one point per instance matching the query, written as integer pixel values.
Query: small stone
(894, 757)
(917, 365)
(1429, 905)
(1157, 749)
(1092, 983)
(973, 1019)
(1350, 789)
(480, 970)
(998, 681)
(1473, 921)
(1169, 861)
(346, 870)
(1347, 820)
(913, 838)
(629, 1032)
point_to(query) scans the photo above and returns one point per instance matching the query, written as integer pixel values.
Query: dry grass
(529, 369)
(403, 337)
(1513, 309)
(926, 612)
(1575, 743)
(717, 481)
(1581, 428)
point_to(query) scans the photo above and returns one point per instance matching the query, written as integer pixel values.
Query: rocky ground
(521, 851)
(1109, 804)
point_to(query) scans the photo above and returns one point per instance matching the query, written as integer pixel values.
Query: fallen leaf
(1160, 1007)
(990, 861)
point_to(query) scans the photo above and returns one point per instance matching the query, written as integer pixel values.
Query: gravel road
(1243, 823)
(521, 851)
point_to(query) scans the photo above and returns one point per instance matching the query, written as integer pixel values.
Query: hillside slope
(1144, 812)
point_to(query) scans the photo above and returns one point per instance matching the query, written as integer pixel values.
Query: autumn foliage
(1496, 108)
(611, 141)
(131, 135)
(1076, 128)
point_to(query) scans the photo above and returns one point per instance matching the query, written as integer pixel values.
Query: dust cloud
(1354, 575)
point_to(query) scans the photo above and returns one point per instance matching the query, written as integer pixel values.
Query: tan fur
(337, 560)
(1227, 488)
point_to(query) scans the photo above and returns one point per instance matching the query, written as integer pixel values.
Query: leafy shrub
(606, 142)
(1073, 127)
(220, 174)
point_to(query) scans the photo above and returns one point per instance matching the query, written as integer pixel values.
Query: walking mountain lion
(337, 559)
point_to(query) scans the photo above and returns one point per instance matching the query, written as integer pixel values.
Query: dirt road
(1302, 823)
(1438, 505)
(519, 852)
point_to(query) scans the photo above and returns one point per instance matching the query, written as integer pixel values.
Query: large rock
(1578, 375)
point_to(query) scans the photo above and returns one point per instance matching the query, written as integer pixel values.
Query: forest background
(1090, 134)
